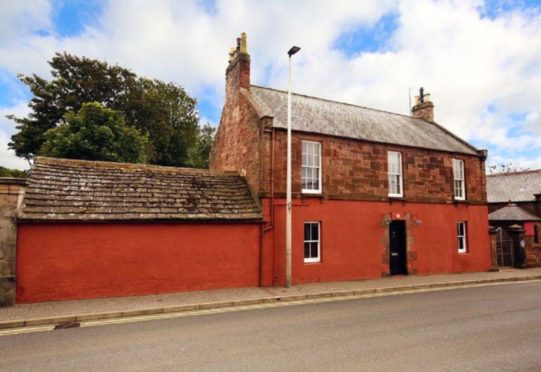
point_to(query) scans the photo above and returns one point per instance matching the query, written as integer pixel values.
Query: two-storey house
(374, 193)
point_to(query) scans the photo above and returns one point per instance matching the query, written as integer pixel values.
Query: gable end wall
(237, 145)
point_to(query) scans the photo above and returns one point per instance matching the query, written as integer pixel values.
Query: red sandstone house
(375, 194)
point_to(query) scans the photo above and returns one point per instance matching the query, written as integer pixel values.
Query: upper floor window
(458, 176)
(311, 167)
(461, 237)
(536, 233)
(394, 160)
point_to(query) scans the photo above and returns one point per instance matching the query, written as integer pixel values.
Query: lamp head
(293, 50)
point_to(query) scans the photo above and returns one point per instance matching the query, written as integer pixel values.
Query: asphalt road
(485, 328)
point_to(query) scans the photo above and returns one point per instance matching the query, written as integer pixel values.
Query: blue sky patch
(515, 132)
(12, 90)
(493, 9)
(42, 33)
(207, 104)
(369, 38)
(71, 16)
(208, 5)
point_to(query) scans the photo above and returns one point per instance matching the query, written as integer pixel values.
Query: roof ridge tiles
(515, 173)
(339, 102)
(119, 166)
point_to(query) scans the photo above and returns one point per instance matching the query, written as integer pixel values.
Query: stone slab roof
(512, 212)
(78, 190)
(322, 116)
(515, 186)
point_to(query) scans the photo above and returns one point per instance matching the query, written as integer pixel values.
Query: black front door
(397, 248)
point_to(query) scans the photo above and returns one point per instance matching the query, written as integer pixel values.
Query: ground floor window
(461, 237)
(536, 234)
(312, 243)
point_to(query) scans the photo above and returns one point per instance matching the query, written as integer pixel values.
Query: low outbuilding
(98, 229)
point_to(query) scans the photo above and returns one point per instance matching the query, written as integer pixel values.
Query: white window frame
(390, 155)
(462, 237)
(317, 167)
(459, 179)
(312, 240)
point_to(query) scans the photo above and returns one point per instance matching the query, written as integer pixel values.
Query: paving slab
(108, 307)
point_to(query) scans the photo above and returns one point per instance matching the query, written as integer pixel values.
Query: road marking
(183, 314)
(21, 330)
(142, 318)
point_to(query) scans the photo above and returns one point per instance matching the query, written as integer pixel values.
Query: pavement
(62, 313)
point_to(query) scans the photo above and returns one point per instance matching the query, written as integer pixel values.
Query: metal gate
(506, 255)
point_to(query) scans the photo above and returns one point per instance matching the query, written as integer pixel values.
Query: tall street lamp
(290, 53)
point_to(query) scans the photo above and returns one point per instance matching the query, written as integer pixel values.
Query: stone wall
(357, 170)
(237, 145)
(11, 196)
(533, 249)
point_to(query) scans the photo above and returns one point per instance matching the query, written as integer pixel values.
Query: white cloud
(465, 61)
(7, 128)
(518, 162)
(19, 18)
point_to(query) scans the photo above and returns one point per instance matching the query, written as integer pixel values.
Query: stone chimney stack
(237, 74)
(423, 108)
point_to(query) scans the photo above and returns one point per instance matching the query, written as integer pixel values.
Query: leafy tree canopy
(162, 110)
(95, 133)
(198, 155)
(7, 172)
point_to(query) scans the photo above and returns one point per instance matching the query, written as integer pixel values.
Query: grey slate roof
(76, 190)
(512, 212)
(316, 115)
(516, 186)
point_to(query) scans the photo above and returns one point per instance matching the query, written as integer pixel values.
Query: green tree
(95, 133)
(7, 172)
(199, 153)
(163, 110)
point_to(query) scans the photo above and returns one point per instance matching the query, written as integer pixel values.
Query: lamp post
(290, 53)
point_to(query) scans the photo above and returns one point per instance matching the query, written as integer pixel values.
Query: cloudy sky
(480, 60)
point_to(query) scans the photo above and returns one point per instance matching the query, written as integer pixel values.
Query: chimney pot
(238, 71)
(243, 46)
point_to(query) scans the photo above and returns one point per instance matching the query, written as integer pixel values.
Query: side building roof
(316, 115)
(514, 186)
(512, 212)
(78, 190)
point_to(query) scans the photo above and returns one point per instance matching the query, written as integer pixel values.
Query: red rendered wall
(354, 239)
(74, 261)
